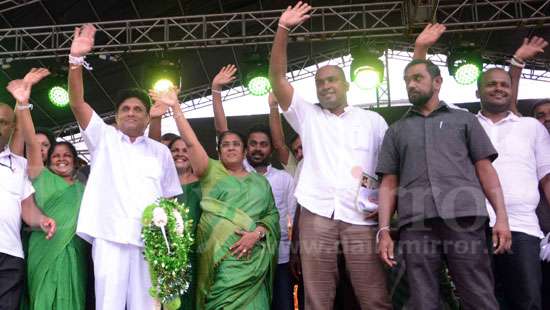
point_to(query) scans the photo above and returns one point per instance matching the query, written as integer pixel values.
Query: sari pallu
(57, 268)
(230, 204)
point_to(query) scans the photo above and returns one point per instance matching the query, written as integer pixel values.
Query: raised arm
(528, 50)
(83, 42)
(21, 90)
(276, 128)
(224, 77)
(502, 237)
(197, 154)
(291, 17)
(426, 39)
(17, 144)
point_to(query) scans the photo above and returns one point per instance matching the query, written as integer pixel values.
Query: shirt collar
(347, 109)
(510, 117)
(125, 138)
(5, 152)
(441, 107)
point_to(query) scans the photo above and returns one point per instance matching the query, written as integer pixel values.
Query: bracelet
(24, 106)
(215, 91)
(521, 61)
(379, 231)
(515, 63)
(284, 27)
(79, 61)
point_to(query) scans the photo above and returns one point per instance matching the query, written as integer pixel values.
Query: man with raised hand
(129, 171)
(340, 142)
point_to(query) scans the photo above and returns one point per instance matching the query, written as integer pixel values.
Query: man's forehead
(327, 71)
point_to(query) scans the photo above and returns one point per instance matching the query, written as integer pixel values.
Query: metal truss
(366, 20)
(8, 5)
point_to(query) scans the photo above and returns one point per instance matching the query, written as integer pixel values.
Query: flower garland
(167, 249)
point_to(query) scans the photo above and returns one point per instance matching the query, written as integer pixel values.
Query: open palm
(296, 15)
(530, 48)
(20, 90)
(36, 75)
(83, 40)
(224, 77)
(429, 36)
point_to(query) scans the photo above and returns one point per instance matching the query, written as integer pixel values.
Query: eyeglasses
(10, 166)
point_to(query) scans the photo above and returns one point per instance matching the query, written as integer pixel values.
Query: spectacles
(10, 166)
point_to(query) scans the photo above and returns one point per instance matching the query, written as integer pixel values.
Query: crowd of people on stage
(444, 209)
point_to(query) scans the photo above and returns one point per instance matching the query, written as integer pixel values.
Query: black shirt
(434, 157)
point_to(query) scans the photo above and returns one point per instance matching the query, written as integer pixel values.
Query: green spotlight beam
(58, 96)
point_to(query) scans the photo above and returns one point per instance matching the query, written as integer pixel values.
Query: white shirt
(523, 147)
(337, 149)
(125, 178)
(14, 188)
(282, 188)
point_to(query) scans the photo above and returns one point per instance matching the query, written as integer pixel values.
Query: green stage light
(366, 70)
(465, 65)
(367, 77)
(163, 85)
(58, 96)
(467, 74)
(259, 86)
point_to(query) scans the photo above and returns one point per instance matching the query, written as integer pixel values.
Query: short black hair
(230, 132)
(71, 147)
(169, 137)
(432, 68)
(262, 129)
(538, 104)
(140, 94)
(482, 75)
(48, 133)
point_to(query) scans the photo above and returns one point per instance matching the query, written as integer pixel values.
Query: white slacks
(122, 279)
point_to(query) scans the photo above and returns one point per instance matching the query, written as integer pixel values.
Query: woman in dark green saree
(56, 268)
(238, 232)
(191, 197)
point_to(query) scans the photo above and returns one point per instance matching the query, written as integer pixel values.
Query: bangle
(79, 61)
(516, 63)
(24, 106)
(516, 58)
(284, 27)
(215, 91)
(379, 231)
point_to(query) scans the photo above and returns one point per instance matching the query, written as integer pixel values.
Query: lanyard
(10, 166)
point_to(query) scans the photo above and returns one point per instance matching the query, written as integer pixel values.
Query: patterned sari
(230, 204)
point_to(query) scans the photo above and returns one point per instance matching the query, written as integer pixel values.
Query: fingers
(76, 32)
(372, 215)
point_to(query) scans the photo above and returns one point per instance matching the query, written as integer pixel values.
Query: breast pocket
(151, 168)
(13, 183)
(361, 138)
(451, 138)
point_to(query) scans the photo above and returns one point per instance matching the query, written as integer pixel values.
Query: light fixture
(58, 96)
(256, 70)
(465, 65)
(366, 70)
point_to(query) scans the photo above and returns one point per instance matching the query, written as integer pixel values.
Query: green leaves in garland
(168, 239)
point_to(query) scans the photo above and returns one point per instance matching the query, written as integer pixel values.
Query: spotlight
(465, 65)
(163, 85)
(256, 75)
(58, 96)
(366, 70)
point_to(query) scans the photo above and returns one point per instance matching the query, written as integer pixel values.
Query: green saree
(192, 198)
(57, 268)
(230, 204)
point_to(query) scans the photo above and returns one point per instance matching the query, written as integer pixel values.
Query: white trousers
(122, 279)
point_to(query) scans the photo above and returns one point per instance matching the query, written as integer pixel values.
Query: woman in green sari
(238, 232)
(56, 268)
(191, 197)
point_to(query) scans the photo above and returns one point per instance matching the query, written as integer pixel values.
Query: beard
(420, 99)
(260, 162)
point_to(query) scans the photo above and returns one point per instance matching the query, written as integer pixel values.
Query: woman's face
(44, 145)
(231, 150)
(62, 161)
(180, 155)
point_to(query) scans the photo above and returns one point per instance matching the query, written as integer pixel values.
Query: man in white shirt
(16, 200)
(339, 142)
(523, 145)
(259, 150)
(128, 172)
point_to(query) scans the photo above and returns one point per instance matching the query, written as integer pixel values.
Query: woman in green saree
(56, 268)
(191, 197)
(238, 232)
